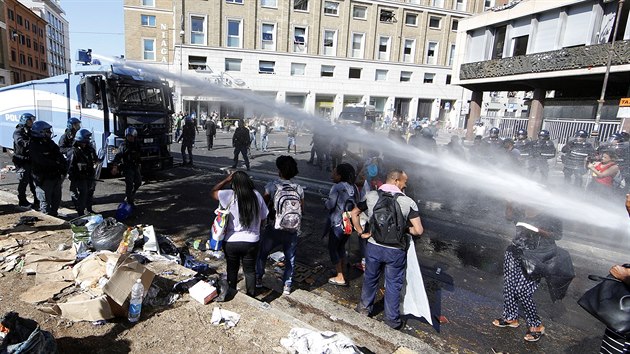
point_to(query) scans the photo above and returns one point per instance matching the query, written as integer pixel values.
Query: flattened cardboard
(125, 275)
(43, 292)
(82, 308)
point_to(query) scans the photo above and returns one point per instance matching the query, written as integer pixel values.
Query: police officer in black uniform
(188, 137)
(128, 160)
(49, 167)
(492, 146)
(524, 146)
(423, 140)
(542, 150)
(66, 142)
(22, 159)
(81, 172)
(575, 157)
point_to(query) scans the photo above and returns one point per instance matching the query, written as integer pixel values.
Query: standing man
(22, 159)
(543, 150)
(291, 135)
(188, 137)
(128, 158)
(49, 168)
(241, 142)
(211, 132)
(178, 125)
(389, 211)
(575, 157)
(67, 139)
(264, 135)
(81, 172)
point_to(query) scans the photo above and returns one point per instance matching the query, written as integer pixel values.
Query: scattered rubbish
(265, 305)
(220, 316)
(99, 323)
(199, 245)
(62, 247)
(42, 292)
(302, 340)
(203, 292)
(27, 220)
(225, 292)
(154, 299)
(135, 301)
(150, 240)
(197, 266)
(22, 335)
(184, 285)
(443, 319)
(107, 235)
(123, 211)
(217, 254)
(277, 256)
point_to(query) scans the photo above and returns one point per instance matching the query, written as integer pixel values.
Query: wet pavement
(460, 253)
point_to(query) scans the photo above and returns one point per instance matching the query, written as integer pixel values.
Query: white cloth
(230, 318)
(305, 341)
(415, 301)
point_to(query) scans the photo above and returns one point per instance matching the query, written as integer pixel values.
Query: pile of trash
(92, 279)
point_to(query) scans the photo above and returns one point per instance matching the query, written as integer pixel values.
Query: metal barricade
(561, 130)
(508, 126)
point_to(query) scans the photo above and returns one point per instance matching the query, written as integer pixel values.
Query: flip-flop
(338, 283)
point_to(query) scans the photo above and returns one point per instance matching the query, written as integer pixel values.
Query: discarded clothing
(415, 301)
(303, 341)
(224, 316)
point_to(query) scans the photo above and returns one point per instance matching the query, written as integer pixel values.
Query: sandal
(502, 323)
(333, 281)
(534, 336)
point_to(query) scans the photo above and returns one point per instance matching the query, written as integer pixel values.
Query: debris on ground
(302, 341)
(221, 316)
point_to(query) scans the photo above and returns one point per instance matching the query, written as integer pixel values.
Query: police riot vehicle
(107, 99)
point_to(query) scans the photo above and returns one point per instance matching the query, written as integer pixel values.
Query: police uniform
(541, 151)
(188, 139)
(22, 161)
(128, 157)
(49, 170)
(575, 154)
(81, 173)
(66, 141)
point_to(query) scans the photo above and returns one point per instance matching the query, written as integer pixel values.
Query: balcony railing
(557, 60)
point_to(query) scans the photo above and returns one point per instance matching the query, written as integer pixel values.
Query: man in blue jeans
(274, 236)
(392, 258)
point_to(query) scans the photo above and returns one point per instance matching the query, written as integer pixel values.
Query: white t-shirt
(235, 232)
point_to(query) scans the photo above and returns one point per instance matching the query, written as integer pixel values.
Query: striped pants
(518, 289)
(614, 343)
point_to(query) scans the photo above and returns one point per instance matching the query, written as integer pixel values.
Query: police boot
(23, 202)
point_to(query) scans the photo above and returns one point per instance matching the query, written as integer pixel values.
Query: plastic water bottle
(135, 303)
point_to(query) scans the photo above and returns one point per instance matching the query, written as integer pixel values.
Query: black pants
(25, 179)
(133, 180)
(245, 252)
(187, 146)
(82, 192)
(210, 140)
(243, 151)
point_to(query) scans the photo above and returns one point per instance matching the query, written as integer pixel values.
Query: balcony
(557, 60)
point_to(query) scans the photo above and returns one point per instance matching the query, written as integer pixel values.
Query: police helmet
(616, 137)
(188, 119)
(72, 121)
(25, 117)
(40, 129)
(494, 132)
(427, 133)
(625, 135)
(131, 131)
(83, 136)
(521, 133)
(417, 128)
(581, 134)
(544, 134)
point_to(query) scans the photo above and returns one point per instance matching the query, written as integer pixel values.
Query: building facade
(26, 43)
(558, 52)
(316, 55)
(57, 34)
(5, 73)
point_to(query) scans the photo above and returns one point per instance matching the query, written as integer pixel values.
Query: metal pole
(611, 51)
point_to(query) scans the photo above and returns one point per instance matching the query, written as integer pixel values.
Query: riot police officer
(524, 146)
(575, 157)
(81, 172)
(618, 144)
(542, 150)
(67, 139)
(49, 167)
(128, 160)
(188, 137)
(22, 159)
(423, 139)
(492, 146)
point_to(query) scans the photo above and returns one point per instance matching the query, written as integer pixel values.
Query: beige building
(317, 55)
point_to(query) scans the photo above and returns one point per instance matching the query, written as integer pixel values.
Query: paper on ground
(230, 318)
(415, 301)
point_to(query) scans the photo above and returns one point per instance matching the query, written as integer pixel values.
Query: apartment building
(57, 34)
(318, 55)
(558, 52)
(5, 73)
(26, 43)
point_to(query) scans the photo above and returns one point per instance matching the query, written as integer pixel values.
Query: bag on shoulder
(288, 207)
(387, 223)
(217, 231)
(609, 302)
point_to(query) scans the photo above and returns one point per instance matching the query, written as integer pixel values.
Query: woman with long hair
(242, 234)
(342, 197)
(604, 173)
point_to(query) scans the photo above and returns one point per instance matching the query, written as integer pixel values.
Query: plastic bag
(25, 336)
(107, 235)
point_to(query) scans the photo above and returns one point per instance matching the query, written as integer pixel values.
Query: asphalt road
(465, 243)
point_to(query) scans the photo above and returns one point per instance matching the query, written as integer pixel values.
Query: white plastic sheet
(415, 301)
(305, 341)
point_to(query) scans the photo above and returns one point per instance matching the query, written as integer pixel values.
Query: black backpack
(387, 224)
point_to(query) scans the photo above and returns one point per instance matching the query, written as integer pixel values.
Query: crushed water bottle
(135, 303)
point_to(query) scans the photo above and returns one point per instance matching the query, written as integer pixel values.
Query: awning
(326, 104)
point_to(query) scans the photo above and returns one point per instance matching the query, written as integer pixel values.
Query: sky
(97, 25)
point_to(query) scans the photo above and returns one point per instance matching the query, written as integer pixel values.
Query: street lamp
(181, 63)
(611, 52)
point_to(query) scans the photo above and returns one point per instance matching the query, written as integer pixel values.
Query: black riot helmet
(581, 134)
(616, 138)
(494, 132)
(521, 134)
(544, 134)
(625, 135)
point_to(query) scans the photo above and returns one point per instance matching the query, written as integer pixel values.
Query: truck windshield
(356, 114)
(137, 96)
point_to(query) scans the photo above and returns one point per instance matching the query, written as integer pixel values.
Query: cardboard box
(127, 271)
(203, 292)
